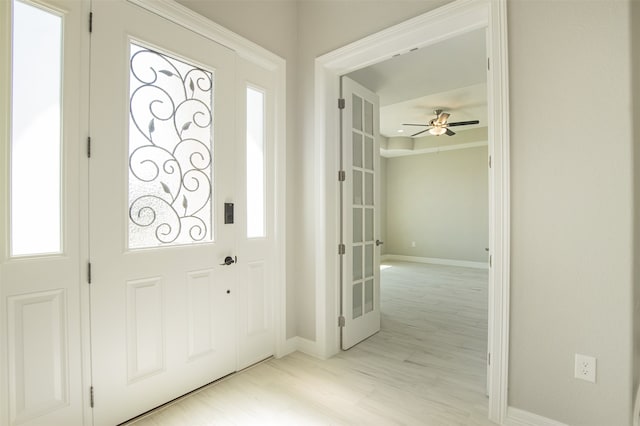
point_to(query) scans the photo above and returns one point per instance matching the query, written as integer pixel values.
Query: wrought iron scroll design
(170, 156)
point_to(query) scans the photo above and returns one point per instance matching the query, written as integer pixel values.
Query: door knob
(379, 243)
(229, 260)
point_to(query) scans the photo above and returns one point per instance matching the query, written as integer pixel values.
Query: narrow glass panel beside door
(36, 131)
(170, 151)
(255, 164)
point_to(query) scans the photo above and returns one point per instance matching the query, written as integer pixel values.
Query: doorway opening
(433, 203)
(445, 23)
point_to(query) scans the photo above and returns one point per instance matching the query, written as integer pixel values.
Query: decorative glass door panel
(360, 281)
(170, 150)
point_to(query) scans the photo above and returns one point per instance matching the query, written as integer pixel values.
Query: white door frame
(453, 19)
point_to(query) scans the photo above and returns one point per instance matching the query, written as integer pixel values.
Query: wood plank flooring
(425, 367)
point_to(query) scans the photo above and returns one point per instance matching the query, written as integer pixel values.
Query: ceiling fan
(440, 125)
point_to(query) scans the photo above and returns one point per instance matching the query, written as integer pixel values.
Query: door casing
(448, 21)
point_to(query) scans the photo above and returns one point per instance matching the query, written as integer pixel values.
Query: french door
(181, 223)
(360, 213)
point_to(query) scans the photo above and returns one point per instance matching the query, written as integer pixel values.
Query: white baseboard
(435, 261)
(303, 345)
(290, 346)
(518, 417)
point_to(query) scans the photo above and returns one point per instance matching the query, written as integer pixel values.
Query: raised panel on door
(162, 305)
(41, 80)
(360, 214)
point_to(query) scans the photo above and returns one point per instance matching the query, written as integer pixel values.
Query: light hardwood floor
(425, 367)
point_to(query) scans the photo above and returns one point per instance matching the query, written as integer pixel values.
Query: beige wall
(571, 200)
(440, 202)
(572, 191)
(635, 73)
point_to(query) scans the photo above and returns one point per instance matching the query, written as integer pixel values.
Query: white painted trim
(500, 213)
(393, 153)
(5, 137)
(197, 23)
(636, 408)
(289, 346)
(85, 291)
(453, 19)
(260, 56)
(518, 417)
(303, 345)
(435, 261)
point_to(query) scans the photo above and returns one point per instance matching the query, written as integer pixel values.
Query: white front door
(40, 300)
(171, 198)
(360, 213)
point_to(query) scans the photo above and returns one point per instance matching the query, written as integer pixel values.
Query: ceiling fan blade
(442, 118)
(416, 134)
(449, 132)
(463, 123)
(409, 124)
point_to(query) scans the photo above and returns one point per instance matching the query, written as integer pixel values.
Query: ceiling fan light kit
(439, 125)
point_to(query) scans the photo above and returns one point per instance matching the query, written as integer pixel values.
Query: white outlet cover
(585, 368)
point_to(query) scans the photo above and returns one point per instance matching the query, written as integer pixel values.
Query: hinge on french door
(341, 321)
(489, 161)
(342, 176)
(488, 63)
(341, 103)
(341, 249)
(89, 272)
(90, 22)
(489, 358)
(91, 396)
(88, 146)
(490, 261)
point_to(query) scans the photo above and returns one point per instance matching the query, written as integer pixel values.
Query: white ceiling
(450, 75)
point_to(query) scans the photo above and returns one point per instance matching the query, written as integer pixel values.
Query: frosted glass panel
(368, 261)
(255, 164)
(368, 188)
(357, 149)
(357, 187)
(357, 112)
(357, 225)
(357, 300)
(170, 142)
(368, 296)
(368, 117)
(357, 263)
(368, 153)
(368, 225)
(36, 131)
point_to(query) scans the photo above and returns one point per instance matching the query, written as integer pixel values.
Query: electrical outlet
(413, 243)
(585, 368)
